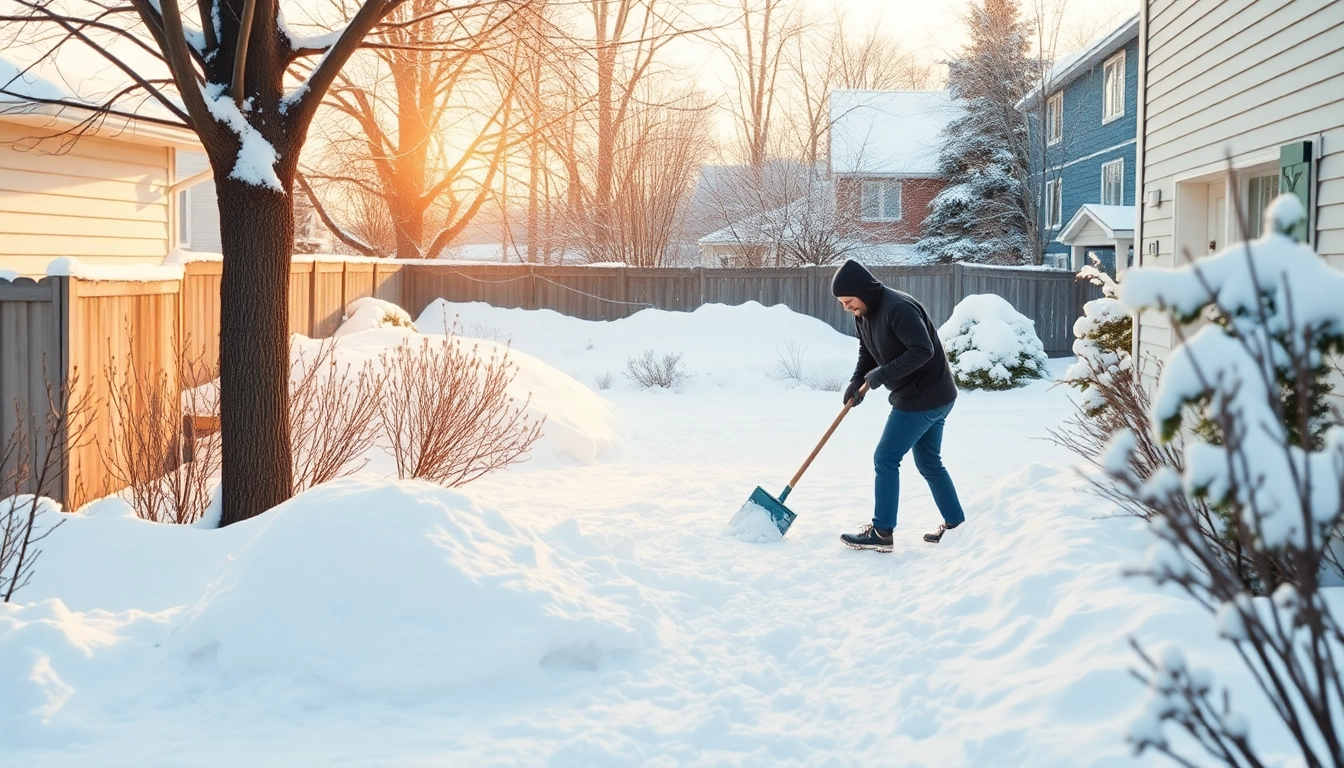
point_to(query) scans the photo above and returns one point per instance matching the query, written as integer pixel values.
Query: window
(1054, 118)
(1113, 183)
(1260, 190)
(882, 200)
(184, 218)
(1114, 75)
(1054, 203)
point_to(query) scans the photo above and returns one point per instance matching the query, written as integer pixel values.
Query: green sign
(1295, 177)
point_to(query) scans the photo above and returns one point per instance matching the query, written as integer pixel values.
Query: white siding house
(106, 198)
(1257, 84)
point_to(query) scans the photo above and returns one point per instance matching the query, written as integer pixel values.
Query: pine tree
(984, 214)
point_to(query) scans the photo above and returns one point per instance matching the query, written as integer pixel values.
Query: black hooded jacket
(897, 337)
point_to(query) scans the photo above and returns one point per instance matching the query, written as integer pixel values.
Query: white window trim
(1054, 214)
(1104, 166)
(881, 199)
(1056, 98)
(1119, 60)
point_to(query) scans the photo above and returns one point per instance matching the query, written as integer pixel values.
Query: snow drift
(397, 591)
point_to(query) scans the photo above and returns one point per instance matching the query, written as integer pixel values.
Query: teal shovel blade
(781, 514)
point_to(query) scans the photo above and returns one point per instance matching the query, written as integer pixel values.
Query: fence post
(958, 285)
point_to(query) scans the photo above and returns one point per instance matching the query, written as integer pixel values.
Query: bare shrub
(648, 371)
(789, 362)
(832, 382)
(333, 415)
(604, 380)
(152, 450)
(33, 458)
(448, 415)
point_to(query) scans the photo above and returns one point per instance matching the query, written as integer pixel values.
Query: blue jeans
(922, 431)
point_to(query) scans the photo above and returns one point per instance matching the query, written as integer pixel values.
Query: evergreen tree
(985, 215)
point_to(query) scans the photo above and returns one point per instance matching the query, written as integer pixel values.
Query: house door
(1217, 216)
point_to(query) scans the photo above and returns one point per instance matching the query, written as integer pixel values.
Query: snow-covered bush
(1272, 464)
(369, 313)
(991, 345)
(1102, 340)
(649, 371)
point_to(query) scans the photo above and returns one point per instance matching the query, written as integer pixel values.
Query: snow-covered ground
(591, 607)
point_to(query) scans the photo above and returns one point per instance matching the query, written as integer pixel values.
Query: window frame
(1118, 61)
(1120, 163)
(882, 185)
(1255, 219)
(1054, 203)
(1054, 118)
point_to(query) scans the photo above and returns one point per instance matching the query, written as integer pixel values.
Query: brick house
(883, 157)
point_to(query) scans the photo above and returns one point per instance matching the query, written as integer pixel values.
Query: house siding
(1086, 143)
(103, 202)
(916, 200)
(203, 204)
(1236, 79)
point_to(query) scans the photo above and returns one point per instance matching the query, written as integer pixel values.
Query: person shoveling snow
(899, 349)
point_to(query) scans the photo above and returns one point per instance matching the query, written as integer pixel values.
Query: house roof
(766, 227)
(1069, 68)
(27, 94)
(1116, 220)
(888, 132)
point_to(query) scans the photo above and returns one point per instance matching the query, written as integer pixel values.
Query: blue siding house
(1083, 133)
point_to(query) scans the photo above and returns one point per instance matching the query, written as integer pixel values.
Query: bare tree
(760, 37)
(828, 58)
(227, 80)
(427, 76)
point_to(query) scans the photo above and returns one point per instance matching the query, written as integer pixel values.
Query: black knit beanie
(854, 279)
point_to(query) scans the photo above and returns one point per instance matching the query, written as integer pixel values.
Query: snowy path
(1006, 645)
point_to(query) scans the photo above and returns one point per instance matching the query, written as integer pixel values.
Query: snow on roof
(18, 85)
(888, 132)
(1067, 69)
(1115, 219)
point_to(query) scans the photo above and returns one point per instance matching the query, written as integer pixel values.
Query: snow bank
(721, 346)
(991, 345)
(398, 591)
(580, 425)
(369, 313)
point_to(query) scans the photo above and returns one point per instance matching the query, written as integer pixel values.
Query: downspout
(1140, 193)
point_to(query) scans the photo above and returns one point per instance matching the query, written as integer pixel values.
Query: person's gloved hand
(876, 378)
(852, 392)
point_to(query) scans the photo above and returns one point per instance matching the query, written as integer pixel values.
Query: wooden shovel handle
(863, 390)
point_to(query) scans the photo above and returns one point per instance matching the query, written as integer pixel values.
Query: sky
(930, 28)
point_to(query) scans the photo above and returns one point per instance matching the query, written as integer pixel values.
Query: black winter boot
(869, 538)
(937, 536)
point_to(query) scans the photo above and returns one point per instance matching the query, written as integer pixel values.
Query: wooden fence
(61, 329)
(1053, 299)
(319, 292)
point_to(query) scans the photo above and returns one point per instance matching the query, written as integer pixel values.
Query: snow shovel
(780, 514)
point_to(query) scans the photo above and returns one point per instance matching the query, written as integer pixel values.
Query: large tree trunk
(257, 236)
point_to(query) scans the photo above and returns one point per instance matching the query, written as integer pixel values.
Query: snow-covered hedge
(991, 345)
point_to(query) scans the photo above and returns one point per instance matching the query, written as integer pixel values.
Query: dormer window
(1114, 88)
(1054, 118)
